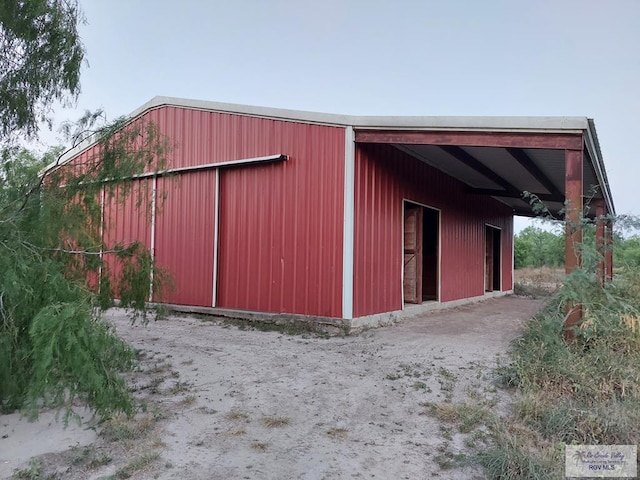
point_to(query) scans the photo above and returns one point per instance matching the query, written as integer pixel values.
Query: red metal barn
(347, 218)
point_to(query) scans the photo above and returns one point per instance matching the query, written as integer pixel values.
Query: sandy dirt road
(249, 404)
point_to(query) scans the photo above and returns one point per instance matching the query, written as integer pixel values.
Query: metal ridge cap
(251, 110)
(501, 123)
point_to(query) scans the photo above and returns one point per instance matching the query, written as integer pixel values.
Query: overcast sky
(372, 57)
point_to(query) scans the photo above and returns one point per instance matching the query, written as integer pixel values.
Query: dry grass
(276, 422)
(179, 387)
(466, 415)
(337, 433)
(633, 323)
(539, 275)
(537, 281)
(137, 464)
(236, 415)
(259, 446)
(119, 427)
(445, 412)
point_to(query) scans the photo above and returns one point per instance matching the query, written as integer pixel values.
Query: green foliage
(40, 59)
(535, 247)
(33, 472)
(626, 252)
(586, 391)
(76, 355)
(511, 458)
(603, 365)
(583, 391)
(54, 346)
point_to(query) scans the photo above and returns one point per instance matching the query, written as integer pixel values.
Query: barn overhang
(504, 164)
(554, 163)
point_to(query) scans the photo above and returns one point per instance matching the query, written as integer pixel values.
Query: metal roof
(386, 122)
(547, 163)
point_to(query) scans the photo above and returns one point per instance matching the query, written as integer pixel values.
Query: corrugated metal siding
(82, 162)
(495, 217)
(280, 233)
(127, 219)
(199, 137)
(280, 241)
(384, 177)
(280, 225)
(184, 236)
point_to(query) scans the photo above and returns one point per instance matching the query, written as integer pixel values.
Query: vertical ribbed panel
(184, 240)
(281, 224)
(384, 177)
(127, 219)
(280, 231)
(199, 137)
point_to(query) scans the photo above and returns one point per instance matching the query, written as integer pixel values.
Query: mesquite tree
(40, 59)
(55, 346)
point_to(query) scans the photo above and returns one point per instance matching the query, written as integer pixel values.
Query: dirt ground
(226, 402)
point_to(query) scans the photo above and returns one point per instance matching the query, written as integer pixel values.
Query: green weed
(33, 472)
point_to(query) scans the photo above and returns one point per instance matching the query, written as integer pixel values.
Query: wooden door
(412, 281)
(488, 281)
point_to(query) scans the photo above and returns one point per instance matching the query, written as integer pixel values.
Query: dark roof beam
(475, 164)
(556, 141)
(523, 159)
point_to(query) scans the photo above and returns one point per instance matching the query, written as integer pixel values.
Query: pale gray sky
(373, 57)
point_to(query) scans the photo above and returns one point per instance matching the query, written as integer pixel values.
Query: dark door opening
(431, 241)
(492, 259)
(421, 243)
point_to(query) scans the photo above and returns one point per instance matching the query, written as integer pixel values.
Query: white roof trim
(390, 122)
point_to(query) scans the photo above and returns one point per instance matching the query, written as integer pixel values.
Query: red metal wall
(127, 219)
(384, 176)
(184, 236)
(280, 240)
(281, 224)
(200, 137)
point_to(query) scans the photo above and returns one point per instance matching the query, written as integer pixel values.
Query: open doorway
(420, 280)
(493, 264)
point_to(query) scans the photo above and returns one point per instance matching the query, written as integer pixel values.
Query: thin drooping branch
(88, 252)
